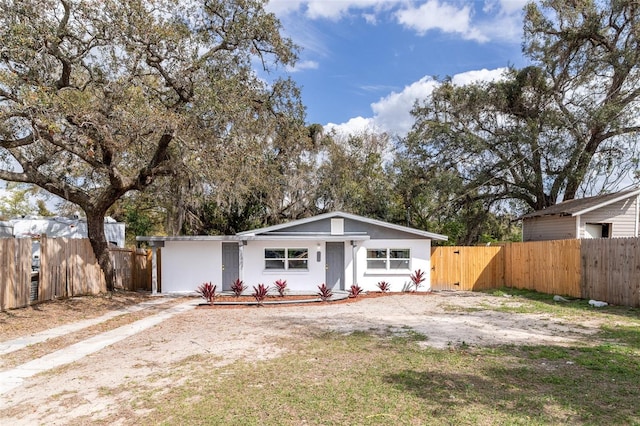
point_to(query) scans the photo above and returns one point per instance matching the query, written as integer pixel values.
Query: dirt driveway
(100, 384)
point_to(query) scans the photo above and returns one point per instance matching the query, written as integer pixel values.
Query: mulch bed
(250, 301)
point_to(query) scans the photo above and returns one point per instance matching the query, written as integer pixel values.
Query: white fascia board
(606, 203)
(237, 238)
(306, 237)
(190, 238)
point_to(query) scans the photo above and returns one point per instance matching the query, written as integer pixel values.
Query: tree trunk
(95, 228)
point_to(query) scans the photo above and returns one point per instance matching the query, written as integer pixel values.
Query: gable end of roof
(339, 214)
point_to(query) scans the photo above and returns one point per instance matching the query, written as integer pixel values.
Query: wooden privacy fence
(68, 268)
(602, 269)
(551, 267)
(132, 268)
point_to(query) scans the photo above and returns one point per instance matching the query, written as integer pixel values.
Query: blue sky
(364, 62)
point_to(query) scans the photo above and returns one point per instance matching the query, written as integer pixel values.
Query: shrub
(324, 292)
(260, 293)
(281, 286)
(208, 291)
(355, 291)
(417, 278)
(384, 286)
(237, 287)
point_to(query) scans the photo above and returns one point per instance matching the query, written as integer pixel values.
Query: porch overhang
(307, 237)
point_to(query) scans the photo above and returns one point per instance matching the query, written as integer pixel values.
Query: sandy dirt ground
(97, 386)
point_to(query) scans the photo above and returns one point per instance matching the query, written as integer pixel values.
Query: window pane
(399, 254)
(273, 253)
(298, 253)
(377, 254)
(376, 264)
(297, 264)
(399, 264)
(274, 264)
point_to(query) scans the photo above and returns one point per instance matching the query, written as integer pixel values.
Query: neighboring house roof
(581, 206)
(338, 214)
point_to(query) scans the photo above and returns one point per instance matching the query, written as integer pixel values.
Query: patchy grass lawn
(371, 379)
(388, 377)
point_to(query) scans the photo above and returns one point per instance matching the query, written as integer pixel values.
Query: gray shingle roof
(581, 205)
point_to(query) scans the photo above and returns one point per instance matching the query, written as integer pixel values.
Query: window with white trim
(286, 259)
(389, 259)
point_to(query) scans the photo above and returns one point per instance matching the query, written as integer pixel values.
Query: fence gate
(466, 268)
(446, 264)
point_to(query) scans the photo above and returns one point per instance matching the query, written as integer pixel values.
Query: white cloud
(500, 19)
(284, 7)
(330, 9)
(354, 126)
(303, 65)
(509, 6)
(478, 75)
(434, 15)
(335, 10)
(392, 113)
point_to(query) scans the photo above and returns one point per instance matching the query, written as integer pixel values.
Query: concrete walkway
(14, 377)
(13, 345)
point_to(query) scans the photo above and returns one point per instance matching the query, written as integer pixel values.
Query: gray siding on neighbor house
(350, 226)
(622, 216)
(548, 228)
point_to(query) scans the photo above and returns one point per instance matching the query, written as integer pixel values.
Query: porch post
(154, 270)
(154, 265)
(354, 260)
(241, 246)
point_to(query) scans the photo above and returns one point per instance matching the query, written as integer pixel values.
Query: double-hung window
(388, 259)
(286, 259)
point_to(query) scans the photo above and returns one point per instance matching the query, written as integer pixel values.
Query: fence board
(123, 266)
(15, 272)
(611, 270)
(7, 269)
(142, 270)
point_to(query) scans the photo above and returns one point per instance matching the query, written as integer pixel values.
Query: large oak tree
(567, 123)
(99, 98)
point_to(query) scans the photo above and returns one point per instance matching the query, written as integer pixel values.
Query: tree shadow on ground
(596, 385)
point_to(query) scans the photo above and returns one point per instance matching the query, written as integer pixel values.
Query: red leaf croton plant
(417, 278)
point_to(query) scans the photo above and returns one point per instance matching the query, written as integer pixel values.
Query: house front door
(230, 264)
(334, 266)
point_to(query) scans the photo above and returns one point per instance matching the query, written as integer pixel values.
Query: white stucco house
(603, 216)
(339, 249)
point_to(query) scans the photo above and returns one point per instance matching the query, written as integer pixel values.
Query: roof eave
(606, 203)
